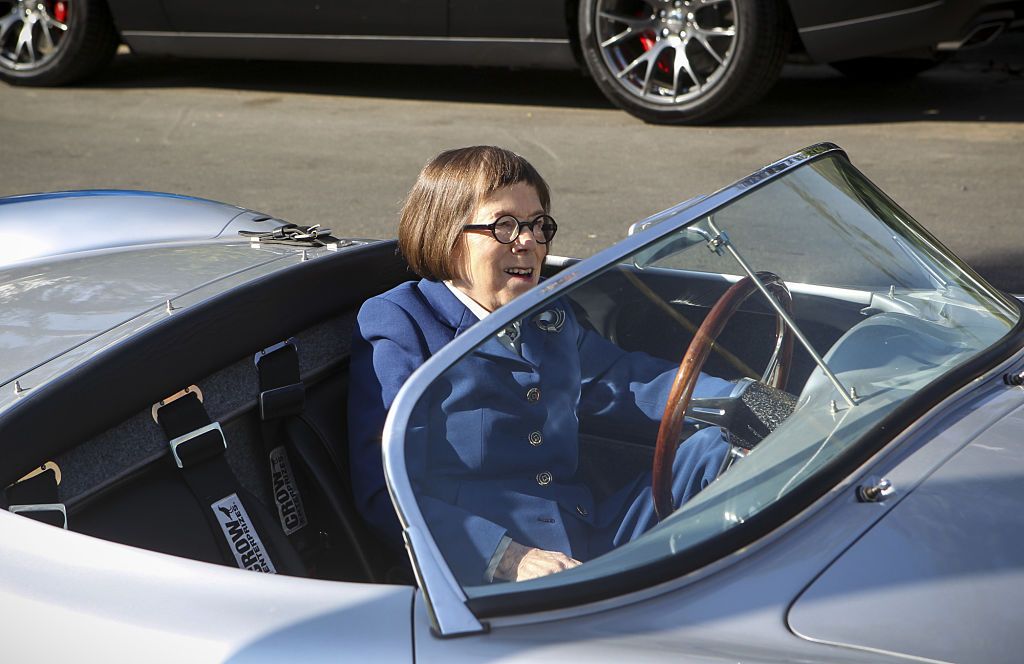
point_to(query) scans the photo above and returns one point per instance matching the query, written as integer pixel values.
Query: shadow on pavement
(570, 89)
(985, 84)
(1002, 269)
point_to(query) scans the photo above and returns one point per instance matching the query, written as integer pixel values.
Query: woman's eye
(505, 224)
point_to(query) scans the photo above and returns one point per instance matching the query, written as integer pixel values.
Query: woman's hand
(522, 562)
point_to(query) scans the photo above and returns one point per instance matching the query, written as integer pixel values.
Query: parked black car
(674, 61)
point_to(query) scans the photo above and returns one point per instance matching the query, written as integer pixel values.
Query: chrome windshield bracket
(933, 276)
(720, 240)
(446, 602)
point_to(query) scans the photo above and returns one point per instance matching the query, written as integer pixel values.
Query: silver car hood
(40, 225)
(81, 270)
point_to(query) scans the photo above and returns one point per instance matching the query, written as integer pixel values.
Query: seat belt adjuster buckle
(259, 355)
(29, 510)
(191, 389)
(281, 401)
(212, 447)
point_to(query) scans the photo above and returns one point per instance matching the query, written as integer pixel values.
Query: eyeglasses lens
(505, 229)
(508, 228)
(548, 228)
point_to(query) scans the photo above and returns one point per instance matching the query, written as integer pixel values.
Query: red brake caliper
(60, 11)
(647, 42)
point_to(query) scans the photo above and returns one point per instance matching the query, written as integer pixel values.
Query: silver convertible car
(173, 436)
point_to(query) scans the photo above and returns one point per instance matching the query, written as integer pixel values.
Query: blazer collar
(456, 315)
(446, 306)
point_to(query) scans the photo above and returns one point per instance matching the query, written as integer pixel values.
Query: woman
(495, 474)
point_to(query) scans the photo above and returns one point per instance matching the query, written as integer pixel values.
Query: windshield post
(719, 241)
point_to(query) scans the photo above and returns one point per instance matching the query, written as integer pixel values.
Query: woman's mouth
(520, 272)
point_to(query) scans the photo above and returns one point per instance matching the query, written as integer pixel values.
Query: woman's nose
(526, 238)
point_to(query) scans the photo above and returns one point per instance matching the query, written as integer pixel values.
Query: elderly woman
(497, 480)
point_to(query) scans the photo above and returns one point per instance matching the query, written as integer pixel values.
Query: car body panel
(535, 19)
(37, 225)
(841, 31)
(737, 610)
(954, 545)
(61, 314)
(481, 51)
(55, 307)
(138, 15)
(81, 271)
(351, 32)
(345, 17)
(70, 596)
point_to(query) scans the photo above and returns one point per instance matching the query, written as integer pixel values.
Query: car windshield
(544, 434)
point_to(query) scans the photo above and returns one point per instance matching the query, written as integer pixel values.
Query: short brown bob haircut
(445, 197)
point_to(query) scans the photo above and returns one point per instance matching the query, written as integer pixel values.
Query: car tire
(65, 40)
(684, 61)
(884, 69)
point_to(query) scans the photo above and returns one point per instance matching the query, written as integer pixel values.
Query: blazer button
(536, 438)
(544, 478)
(533, 394)
(581, 510)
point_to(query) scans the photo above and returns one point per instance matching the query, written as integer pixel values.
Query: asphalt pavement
(341, 144)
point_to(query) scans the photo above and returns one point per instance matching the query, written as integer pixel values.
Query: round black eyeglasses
(506, 229)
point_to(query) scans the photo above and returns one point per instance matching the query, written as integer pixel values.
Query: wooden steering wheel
(775, 375)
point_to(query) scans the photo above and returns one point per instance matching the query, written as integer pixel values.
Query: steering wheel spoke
(715, 411)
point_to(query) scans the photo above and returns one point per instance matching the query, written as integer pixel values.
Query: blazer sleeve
(625, 392)
(388, 344)
(386, 349)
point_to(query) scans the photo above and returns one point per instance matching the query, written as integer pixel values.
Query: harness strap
(233, 515)
(282, 396)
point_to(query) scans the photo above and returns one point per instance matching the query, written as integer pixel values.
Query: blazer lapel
(446, 306)
(539, 333)
(456, 315)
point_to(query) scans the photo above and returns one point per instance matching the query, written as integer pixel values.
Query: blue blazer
(492, 450)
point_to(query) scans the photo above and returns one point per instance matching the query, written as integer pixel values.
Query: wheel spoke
(708, 3)
(652, 64)
(25, 41)
(707, 47)
(716, 32)
(47, 40)
(635, 22)
(51, 22)
(7, 21)
(682, 62)
(676, 66)
(628, 32)
(632, 65)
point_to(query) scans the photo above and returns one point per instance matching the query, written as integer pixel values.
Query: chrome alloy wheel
(667, 51)
(32, 32)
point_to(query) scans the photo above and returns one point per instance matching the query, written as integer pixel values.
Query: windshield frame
(453, 613)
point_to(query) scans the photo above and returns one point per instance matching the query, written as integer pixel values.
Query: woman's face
(492, 273)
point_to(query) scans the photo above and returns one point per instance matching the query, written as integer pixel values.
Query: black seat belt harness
(197, 446)
(282, 395)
